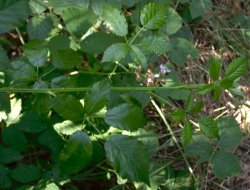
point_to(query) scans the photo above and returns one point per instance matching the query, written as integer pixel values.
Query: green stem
(136, 36)
(173, 137)
(84, 89)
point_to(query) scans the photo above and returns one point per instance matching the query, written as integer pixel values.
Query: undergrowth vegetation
(91, 96)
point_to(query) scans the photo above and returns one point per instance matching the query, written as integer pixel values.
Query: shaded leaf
(8, 155)
(39, 27)
(66, 59)
(230, 133)
(5, 181)
(126, 161)
(97, 97)
(138, 57)
(31, 122)
(199, 147)
(36, 52)
(225, 164)
(199, 7)
(122, 117)
(68, 107)
(12, 14)
(76, 154)
(115, 52)
(104, 40)
(14, 138)
(78, 20)
(179, 49)
(26, 173)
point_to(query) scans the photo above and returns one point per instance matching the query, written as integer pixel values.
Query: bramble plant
(72, 100)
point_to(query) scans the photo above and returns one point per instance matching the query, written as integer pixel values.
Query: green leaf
(12, 14)
(217, 92)
(52, 141)
(67, 127)
(115, 21)
(76, 154)
(78, 20)
(226, 83)
(4, 59)
(39, 27)
(155, 44)
(122, 152)
(26, 173)
(230, 133)
(225, 164)
(22, 72)
(187, 133)
(68, 107)
(115, 52)
(197, 107)
(103, 40)
(122, 117)
(153, 16)
(97, 97)
(5, 181)
(138, 57)
(8, 155)
(237, 68)
(66, 59)
(14, 138)
(59, 42)
(179, 49)
(200, 147)
(36, 52)
(205, 89)
(148, 138)
(209, 127)
(174, 22)
(199, 7)
(37, 6)
(214, 69)
(178, 115)
(59, 5)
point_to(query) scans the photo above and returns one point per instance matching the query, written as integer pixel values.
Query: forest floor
(224, 41)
